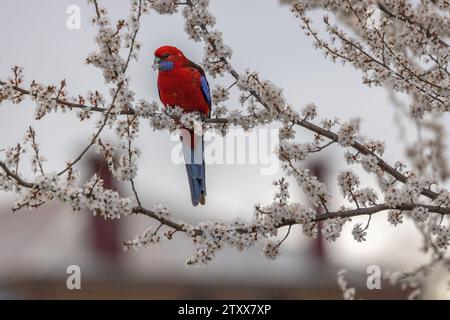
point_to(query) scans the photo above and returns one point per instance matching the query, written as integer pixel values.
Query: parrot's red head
(167, 51)
(166, 57)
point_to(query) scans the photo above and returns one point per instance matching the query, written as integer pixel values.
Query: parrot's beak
(155, 65)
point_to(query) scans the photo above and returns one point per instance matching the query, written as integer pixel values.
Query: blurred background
(36, 247)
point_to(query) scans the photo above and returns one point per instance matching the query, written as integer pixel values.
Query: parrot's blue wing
(205, 90)
(203, 83)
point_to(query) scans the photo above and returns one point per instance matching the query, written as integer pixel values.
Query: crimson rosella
(183, 83)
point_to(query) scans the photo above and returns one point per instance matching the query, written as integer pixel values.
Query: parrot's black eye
(165, 56)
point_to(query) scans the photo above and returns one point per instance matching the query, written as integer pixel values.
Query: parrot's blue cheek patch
(166, 66)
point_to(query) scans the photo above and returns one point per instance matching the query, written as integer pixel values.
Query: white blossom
(347, 132)
(309, 112)
(219, 94)
(370, 163)
(443, 238)
(359, 234)
(271, 250)
(332, 228)
(420, 214)
(366, 196)
(164, 6)
(443, 198)
(147, 238)
(347, 182)
(395, 217)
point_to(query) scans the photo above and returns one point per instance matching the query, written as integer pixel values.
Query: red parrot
(183, 83)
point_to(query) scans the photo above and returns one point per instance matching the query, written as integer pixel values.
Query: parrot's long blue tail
(193, 151)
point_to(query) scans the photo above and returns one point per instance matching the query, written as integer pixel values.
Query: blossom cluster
(92, 196)
(414, 63)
